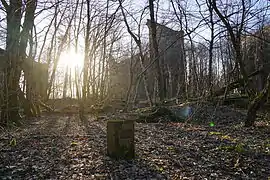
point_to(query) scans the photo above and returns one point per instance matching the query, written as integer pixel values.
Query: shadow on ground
(109, 168)
(65, 147)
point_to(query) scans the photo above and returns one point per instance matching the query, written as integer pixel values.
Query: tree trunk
(10, 108)
(86, 63)
(211, 46)
(60, 49)
(138, 43)
(65, 83)
(154, 50)
(257, 103)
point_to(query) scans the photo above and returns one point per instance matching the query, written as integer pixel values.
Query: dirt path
(63, 147)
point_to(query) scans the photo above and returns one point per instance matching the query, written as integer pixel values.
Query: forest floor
(61, 146)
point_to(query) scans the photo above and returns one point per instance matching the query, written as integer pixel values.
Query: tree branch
(223, 19)
(5, 4)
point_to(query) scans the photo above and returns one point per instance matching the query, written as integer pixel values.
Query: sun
(71, 59)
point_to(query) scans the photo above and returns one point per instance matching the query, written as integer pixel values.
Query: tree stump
(120, 139)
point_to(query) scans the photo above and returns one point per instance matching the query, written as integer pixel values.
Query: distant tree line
(225, 50)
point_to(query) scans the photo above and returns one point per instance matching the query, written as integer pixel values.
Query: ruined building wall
(172, 59)
(256, 51)
(37, 77)
(174, 67)
(119, 79)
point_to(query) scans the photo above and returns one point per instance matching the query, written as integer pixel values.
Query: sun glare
(71, 60)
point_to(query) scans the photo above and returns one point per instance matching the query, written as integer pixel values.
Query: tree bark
(10, 107)
(257, 103)
(154, 50)
(86, 63)
(211, 46)
(65, 83)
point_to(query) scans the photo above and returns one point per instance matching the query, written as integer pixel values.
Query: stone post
(120, 139)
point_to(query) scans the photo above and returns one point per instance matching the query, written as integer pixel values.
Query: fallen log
(45, 106)
(153, 115)
(30, 108)
(237, 100)
(236, 84)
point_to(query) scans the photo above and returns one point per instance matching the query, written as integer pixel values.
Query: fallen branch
(237, 84)
(48, 108)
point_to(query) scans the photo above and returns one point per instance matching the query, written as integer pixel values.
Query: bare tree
(60, 49)
(16, 43)
(235, 35)
(154, 49)
(142, 58)
(211, 46)
(235, 32)
(86, 62)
